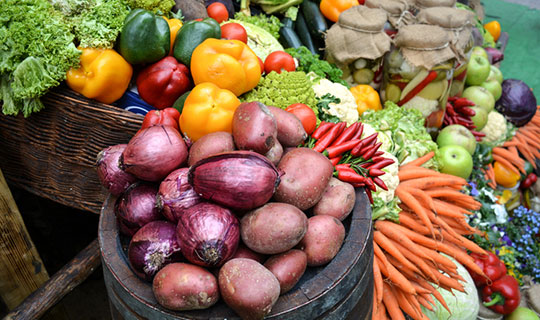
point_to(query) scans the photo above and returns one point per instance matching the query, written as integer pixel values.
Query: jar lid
(398, 10)
(421, 4)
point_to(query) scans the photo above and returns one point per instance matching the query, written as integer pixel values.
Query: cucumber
(303, 33)
(287, 37)
(314, 20)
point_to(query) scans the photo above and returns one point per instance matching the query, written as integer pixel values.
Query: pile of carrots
(408, 263)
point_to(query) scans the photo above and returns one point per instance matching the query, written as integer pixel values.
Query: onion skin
(137, 207)
(176, 195)
(154, 246)
(208, 234)
(241, 180)
(109, 170)
(154, 152)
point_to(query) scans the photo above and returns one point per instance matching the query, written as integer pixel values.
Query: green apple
(480, 96)
(455, 160)
(477, 70)
(479, 51)
(457, 135)
(480, 118)
(494, 87)
(495, 73)
(522, 313)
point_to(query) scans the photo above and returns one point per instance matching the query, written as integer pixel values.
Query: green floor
(522, 55)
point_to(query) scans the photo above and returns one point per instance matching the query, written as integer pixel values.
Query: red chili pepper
(467, 111)
(374, 172)
(370, 184)
(378, 153)
(343, 166)
(503, 295)
(347, 134)
(359, 131)
(450, 111)
(452, 99)
(491, 265)
(529, 181)
(322, 129)
(382, 163)
(478, 134)
(432, 75)
(370, 197)
(336, 150)
(350, 176)
(464, 120)
(166, 117)
(328, 137)
(368, 154)
(358, 184)
(463, 102)
(365, 142)
(335, 160)
(378, 181)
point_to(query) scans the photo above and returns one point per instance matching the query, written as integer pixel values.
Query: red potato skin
(248, 288)
(323, 240)
(245, 252)
(275, 154)
(337, 200)
(182, 286)
(306, 175)
(288, 268)
(254, 127)
(273, 228)
(290, 131)
(210, 144)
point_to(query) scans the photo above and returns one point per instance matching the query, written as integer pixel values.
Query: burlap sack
(422, 4)
(455, 21)
(398, 11)
(359, 33)
(424, 45)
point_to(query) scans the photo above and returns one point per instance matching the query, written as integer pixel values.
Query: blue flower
(474, 191)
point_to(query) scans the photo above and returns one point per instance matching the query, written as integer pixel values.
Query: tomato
(234, 31)
(305, 114)
(504, 176)
(261, 64)
(218, 12)
(279, 60)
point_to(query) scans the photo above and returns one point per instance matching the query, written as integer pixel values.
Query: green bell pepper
(145, 37)
(192, 34)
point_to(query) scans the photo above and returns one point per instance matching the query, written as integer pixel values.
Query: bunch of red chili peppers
(357, 161)
(458, 112)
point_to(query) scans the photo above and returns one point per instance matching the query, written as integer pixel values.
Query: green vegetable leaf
(268, 23)
(323, 103)
(164, 6)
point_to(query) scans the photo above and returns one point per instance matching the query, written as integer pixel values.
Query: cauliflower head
(346, 110)
(383, 137)
(495, 128)
(425, 106)
(390, 178)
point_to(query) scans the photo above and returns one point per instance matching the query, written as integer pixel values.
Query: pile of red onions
(176, 195)
(154, 152)
(208, 234)
(137, 207)
(109, 171)
(152, 247)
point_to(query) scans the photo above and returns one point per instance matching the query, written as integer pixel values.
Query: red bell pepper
(503, 295)
(166, 117)
(492, 266)
(161, 83)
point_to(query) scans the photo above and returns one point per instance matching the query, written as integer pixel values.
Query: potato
(254, 127)
(288, 268)
(306, 175)
(323, 239)
(337, 200)
(290, 131)
(248, 288)
(210, 144)
(273, 228)
(275, 154)
(182, 286)
(244, 252)
(191, 9)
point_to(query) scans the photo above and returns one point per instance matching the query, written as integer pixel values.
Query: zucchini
(314, 20)
(287, 37)
(303, 33)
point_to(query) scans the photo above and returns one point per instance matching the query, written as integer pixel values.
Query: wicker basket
(52, 153)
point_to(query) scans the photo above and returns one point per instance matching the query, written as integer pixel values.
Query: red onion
(494, 55)
(152, 247)
(137, 207)
(154, 152)
(176, 195)
(208, 234)
(241, 180)
(109, 171)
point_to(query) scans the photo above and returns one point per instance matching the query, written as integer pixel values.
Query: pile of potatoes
(278, 240)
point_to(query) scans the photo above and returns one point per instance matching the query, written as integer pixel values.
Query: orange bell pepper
(104, 75)
(331, 9)
(494, 28)
(207, 109)
(174, 27)
(366, 98)
(229, 64)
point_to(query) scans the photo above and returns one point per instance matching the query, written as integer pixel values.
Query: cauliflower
(382, 137)
(390, 178)
(495, 128)
(425, 106)
(346, 110)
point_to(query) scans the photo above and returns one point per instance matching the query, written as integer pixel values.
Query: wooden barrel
(342, 289)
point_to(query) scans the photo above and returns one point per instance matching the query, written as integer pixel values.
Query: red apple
(455, 160)
(457, 135)
(480, 96)
(477, 70)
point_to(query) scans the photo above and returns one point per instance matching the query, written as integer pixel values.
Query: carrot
(404, 303)
(435, 293)
(423, 198)
(431, 182)
(491, 174)
(408, 199)
(391, 273)
(443, 192)
(425, 303)
(532, 138)
(510, 143)
(382, 312)
(389, 247)
(419, 261)
(440, 260)
(412, 172)
(377, 280)
(420, 161)
(449, 210)
(375, 302)
(463, 242)
(419, 289)
(416, 305)
(391, 303)
(524, 149)
(406, 219)
(505, 163)
(515, 160)
(462, 223)
(388, 229)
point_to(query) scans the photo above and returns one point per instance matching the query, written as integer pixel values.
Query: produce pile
(264, 111)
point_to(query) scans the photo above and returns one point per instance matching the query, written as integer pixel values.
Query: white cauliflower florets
(346, 110)
(390, 178)
(425, 106)
(381, 137)
(495, 128)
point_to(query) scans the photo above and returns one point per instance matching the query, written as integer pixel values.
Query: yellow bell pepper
(230, 64)
(494, 28)
(331, 9)
(207, 109)
(174, 26)
(104, 75)
(366, 98)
